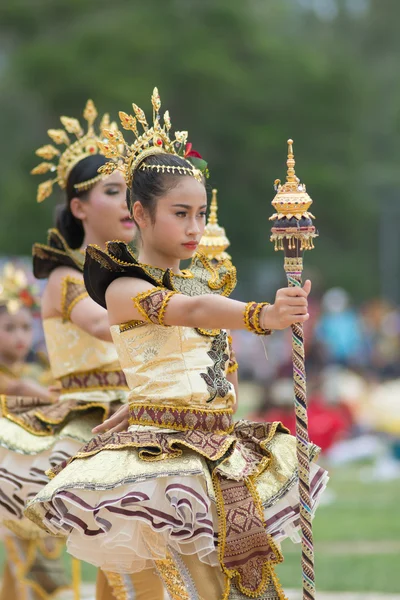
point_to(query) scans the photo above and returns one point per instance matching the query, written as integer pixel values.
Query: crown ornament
(293, 221)
(15, 291)
(214, 241)
(62, 162)
(150, 141)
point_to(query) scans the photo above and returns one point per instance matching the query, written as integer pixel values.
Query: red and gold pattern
(94, 380)
(206, 421)
(16, 404)
(49, 419)
(153, 303)
(43, 418)
(246, 550)
(73, 291)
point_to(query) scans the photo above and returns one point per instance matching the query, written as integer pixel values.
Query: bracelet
(252, 318)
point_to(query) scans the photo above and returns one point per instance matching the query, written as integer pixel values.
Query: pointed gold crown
(292, 201)
(15, 291)
(214, 241)
(86, 144)
(151, 141)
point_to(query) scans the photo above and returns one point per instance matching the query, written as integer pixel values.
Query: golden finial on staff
(214, 241)
(293, 221)
(291, 175)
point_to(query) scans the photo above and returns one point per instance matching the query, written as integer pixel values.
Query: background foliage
(242, 76)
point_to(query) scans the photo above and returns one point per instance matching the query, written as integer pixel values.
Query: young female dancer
(82, 357)
(33, 567)
(18, 302)
(184, 479)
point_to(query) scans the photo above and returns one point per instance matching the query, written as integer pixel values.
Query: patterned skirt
(127, 499)
(36, 436)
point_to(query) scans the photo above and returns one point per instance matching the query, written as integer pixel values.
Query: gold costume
(184, 480)
(37, 435)
(34, 567)
(92, 384)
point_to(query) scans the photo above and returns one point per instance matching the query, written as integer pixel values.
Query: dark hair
(69, 226)
(149, 185)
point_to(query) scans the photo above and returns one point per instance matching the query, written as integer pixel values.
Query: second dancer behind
(184, 479)
(82, 356)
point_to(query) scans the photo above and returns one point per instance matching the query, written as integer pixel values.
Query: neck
(92, 238)
(150, 256)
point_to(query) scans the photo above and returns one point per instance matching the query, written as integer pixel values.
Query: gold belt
(94, 380)
(181, 419)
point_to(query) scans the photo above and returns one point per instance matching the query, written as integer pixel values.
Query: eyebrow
(188, 206)
(109, 184)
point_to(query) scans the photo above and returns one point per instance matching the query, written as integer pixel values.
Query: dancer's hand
(290, 306)
(55, 391)
(118, 422)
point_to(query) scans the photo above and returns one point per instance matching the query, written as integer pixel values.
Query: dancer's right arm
(28, 387)
(86, 313)
(209, 311)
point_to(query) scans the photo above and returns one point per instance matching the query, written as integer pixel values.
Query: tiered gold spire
(214, 241)
(292, 202)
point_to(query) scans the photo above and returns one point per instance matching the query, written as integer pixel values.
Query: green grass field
(357, 539)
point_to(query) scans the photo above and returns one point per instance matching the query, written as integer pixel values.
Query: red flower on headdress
(190, 152)
(26, 298)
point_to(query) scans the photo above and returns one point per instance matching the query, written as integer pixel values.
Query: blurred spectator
(340, 329)
(328, 423)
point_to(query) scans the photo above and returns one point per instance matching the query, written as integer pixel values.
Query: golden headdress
(15, 291)
(214, 241)
(86, 144)
(151, 141)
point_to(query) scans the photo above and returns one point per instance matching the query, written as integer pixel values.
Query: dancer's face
(16, 334)
(104, 213)
(175, 230)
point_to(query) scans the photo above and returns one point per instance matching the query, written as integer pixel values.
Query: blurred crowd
(353, 380)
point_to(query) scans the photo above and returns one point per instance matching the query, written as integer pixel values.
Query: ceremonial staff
(293, 232)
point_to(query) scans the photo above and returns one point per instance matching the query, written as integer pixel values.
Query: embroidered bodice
(174, 366)
(71, 350)
(169, 366)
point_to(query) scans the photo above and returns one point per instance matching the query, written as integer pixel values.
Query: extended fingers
(119, 417)
(123, 426)
(106, 425)
(102, 428)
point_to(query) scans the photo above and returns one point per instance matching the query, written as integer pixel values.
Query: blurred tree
(242, 77)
